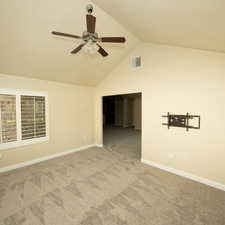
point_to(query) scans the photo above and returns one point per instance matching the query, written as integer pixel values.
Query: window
(23, 118)
(7, 118)
(33, 117)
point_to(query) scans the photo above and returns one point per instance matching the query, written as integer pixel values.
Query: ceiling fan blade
(65, 35)
(113, 39)
(102, 51)
(91, 21)
(77, 49)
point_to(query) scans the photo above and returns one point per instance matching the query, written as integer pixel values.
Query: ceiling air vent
(136, 61)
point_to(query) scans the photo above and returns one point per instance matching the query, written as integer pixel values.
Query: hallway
(126, 141)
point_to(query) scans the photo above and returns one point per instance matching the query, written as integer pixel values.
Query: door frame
(101, 116)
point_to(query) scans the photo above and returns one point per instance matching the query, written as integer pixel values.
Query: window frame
(20, 142)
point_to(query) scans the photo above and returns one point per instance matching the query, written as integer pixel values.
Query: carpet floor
(100, 186)
(126, 141)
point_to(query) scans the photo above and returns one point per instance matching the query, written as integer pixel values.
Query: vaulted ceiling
(28, 49)
(196, 24)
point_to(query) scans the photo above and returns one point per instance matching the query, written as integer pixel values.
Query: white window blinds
(23, 118)
(33, 117)
(8, 131)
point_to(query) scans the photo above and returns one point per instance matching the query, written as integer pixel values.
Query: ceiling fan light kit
(90, 47)
(90, 37)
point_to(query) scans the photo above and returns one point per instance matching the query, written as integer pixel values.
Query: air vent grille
(136, 61)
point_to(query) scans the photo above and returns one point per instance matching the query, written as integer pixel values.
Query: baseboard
(186, 175)
(99, 145)
(42, 159)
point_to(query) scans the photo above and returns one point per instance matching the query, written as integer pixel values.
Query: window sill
(17, 144)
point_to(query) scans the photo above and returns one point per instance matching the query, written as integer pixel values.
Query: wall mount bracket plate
(175, 120)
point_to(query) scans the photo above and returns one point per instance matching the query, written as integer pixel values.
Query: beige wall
(176, 80)
(137, 112)
(119, 111)
(71, 118)
(127, 112)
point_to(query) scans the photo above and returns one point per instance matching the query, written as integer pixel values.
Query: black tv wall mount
(174, 120)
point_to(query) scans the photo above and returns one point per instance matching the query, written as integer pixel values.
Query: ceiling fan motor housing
(89, 36)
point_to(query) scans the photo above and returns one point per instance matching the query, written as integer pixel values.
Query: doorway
(122, 124)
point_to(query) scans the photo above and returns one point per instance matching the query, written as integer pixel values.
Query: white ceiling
(28, 49)
(196, 24)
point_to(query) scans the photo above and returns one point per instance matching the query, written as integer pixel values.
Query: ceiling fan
(90, 37)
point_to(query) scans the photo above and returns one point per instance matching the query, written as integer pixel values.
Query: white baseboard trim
(45, 158)
(184, 174)
(99, 145)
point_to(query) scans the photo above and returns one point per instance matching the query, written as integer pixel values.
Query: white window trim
(19, 141)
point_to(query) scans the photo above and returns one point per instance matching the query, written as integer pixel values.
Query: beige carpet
(104, 187)
(126, 141)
